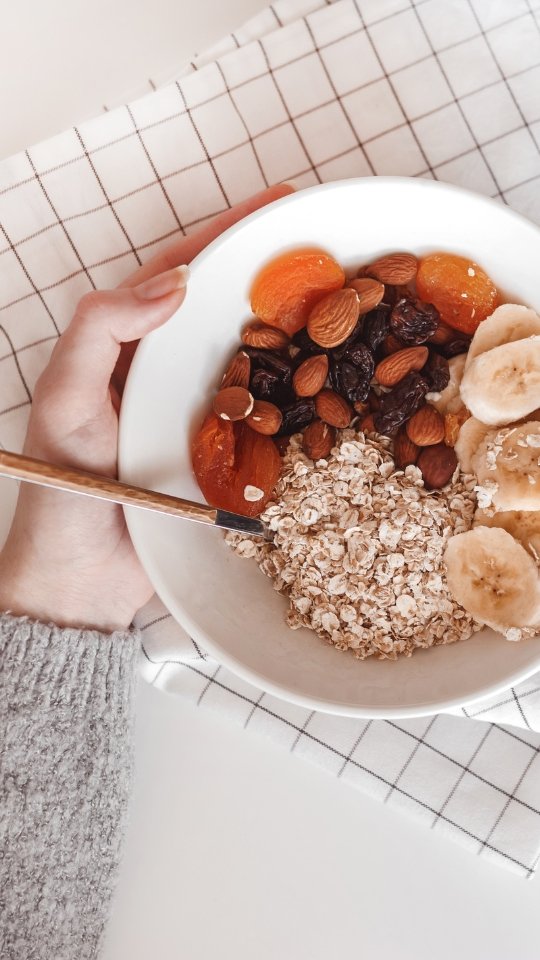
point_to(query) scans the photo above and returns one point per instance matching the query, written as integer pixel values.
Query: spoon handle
(19, 467)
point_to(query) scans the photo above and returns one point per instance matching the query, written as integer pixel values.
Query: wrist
(25, 591)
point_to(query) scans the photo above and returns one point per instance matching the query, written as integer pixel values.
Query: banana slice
(507, 323)
(470, 437)
(507, 465)
(503, 384)
(523, 525)
(449, 400)
(494, 578)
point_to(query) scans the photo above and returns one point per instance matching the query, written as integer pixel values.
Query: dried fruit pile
(324, 352)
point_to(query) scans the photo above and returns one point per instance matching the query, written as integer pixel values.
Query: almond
(362, 409)
(437, 465)
(333, 409)
(334, 317)
(405, 451)
(318, 440)
(263, 337)
(393, 368)
(370, 293)
(233, 403)
(395, 268)
(310, 377)
(237, 373)
(265, 418)
(426, 426)
(367, 425)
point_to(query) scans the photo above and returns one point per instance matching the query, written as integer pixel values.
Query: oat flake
(252, 494)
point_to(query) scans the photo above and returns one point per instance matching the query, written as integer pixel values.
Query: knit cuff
(63, 666)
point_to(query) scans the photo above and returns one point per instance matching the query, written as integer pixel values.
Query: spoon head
(247, 525)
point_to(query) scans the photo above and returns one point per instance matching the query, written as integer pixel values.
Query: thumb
(82, 363)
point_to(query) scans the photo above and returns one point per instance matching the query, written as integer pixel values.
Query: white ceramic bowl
(226, 603)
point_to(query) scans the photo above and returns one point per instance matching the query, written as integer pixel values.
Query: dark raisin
(352, 380)
(345, 379)
(413, 321)
(455, 347)
(436, 372)
(271, 386)
(299, 357)
(351, 375)
(279, 363)
(352, 339)
(376, 326)
(303, 341)
(392, 294)
(296, 416)
(271, 376)
(399, 404)
(359, 355)
(374, 401)
(265, 385)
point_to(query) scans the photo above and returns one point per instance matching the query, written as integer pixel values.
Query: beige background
(62, 60)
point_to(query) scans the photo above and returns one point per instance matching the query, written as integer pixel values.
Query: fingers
(90, 352)
(185, 249)
(79, 372)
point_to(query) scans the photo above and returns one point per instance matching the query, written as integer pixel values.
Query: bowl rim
(182, 616)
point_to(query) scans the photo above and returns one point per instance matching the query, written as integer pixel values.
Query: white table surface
(236, 849)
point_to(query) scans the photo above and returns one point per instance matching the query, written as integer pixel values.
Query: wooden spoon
(18, 467)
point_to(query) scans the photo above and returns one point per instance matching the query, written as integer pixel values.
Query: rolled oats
(358, 549)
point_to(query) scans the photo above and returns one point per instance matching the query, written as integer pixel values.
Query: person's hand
(69, 559)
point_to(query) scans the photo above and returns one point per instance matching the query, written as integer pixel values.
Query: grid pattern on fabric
(449, 91)
(314, 91)
(478, 782)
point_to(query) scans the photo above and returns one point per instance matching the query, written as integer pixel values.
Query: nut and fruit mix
(324, 351)
(415, 362)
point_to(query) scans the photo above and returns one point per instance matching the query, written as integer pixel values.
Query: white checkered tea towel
(310, 90)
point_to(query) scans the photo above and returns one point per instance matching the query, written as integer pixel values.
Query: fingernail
(293, 184)
(160, 286)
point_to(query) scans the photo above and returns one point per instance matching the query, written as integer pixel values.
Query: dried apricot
(288, 287)
(462, 292)
(236, 468)
(257, 465)
(212, 455)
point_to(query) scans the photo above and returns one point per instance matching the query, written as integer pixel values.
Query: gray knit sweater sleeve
(66, 728)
